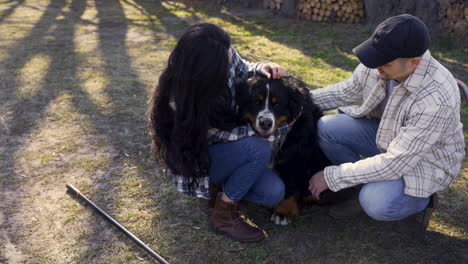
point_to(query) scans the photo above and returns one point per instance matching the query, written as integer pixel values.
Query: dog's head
(267, 103)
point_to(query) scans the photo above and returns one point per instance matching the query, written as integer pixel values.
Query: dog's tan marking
(288, 207)
(310, 199)
(280, 121)
(250, 118)
(274, 100)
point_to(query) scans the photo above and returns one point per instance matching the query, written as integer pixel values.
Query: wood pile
(453, 14)
(273, 4)
(341, 11)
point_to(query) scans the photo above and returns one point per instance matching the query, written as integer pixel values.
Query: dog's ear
(244, 86)
(299, 94)
(254, 81)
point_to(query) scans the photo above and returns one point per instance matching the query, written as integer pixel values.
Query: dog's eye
(259, 102)
(274, 101)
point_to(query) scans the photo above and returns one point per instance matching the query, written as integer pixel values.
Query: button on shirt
(420, 134)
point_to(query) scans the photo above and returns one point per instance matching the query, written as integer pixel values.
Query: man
(405, 141)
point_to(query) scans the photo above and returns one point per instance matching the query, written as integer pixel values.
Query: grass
(74, 85)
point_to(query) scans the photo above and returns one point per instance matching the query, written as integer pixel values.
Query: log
(377, 11)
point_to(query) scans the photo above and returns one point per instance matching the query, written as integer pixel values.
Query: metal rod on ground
(116, 224)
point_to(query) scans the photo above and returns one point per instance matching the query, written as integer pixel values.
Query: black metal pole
(116, 224)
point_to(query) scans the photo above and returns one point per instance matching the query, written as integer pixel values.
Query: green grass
(74, 86)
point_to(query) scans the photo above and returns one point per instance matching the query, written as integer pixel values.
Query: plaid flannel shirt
(420, 134)
(243, 69)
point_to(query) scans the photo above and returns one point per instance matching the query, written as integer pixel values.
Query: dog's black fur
(299, 157)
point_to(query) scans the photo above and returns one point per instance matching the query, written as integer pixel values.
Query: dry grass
(74, 82)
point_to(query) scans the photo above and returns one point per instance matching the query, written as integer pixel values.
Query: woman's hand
(272, 70)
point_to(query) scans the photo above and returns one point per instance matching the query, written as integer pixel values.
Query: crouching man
(405, 141)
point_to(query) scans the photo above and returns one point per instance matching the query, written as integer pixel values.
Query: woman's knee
(276, 192)
(259, 150)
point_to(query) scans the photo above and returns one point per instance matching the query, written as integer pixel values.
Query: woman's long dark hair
(195, 82)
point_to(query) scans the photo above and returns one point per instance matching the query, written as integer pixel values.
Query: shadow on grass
(54, 37)
(318, 238)
(315, 40)
(7, 12)
(24, 112)
(126, 125)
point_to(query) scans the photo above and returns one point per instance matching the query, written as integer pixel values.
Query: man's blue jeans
(241, 166)
(346, 139)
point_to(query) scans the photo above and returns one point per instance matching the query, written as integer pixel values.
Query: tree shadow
(6, 13)
(171, 24)
(316, 236)
(53, 36)
(25, 112)
(308, 37)
(125, 126)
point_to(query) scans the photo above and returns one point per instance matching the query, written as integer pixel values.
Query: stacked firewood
(342, 11)
(453, 14)
(272, 4)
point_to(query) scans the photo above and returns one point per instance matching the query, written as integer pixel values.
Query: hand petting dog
(317, 184)
(272, 70)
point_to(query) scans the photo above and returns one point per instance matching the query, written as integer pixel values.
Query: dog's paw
(280, 219)
(285, 211)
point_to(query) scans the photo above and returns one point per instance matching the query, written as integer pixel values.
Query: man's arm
(342, 93)
(422, 131)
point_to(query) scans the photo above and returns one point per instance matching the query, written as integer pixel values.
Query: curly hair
(191, 96)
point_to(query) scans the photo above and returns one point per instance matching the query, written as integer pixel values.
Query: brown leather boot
(215, 189)
(226, 219)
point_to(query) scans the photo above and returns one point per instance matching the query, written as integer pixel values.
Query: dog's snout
(265, 123)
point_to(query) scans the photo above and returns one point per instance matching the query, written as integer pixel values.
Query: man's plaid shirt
(420, 134)
(243, 69)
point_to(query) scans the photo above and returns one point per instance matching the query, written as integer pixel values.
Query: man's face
(398, 69)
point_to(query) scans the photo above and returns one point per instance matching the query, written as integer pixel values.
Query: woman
(197, 135)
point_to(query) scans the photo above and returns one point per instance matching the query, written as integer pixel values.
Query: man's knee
(331, 126)
(324, 126)
(377, 205)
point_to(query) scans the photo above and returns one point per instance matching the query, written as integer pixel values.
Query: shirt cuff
(330, 174)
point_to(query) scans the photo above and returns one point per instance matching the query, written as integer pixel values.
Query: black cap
(403, 36)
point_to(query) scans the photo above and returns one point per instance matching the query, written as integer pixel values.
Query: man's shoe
(417, 224)
(226, 219)
(346, 209)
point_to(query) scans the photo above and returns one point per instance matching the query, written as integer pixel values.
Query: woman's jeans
(241, 166)
(346, 139)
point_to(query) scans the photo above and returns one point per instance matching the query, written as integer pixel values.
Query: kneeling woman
(197, 135)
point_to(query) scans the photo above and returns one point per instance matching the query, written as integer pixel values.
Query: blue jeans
(241, 167)
(346, 139)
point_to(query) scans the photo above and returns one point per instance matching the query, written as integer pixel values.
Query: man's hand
(317, 184)
(272, 70)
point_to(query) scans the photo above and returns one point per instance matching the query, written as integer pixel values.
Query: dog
(268, 103)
